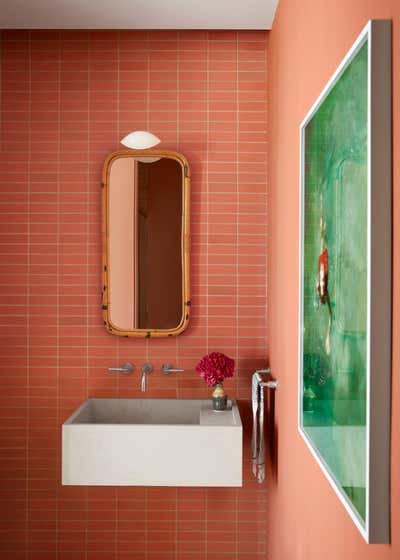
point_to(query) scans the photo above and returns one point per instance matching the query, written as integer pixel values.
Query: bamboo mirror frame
(184, 249)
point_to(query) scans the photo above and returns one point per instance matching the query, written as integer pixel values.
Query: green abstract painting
(335, 270)
(345, 331)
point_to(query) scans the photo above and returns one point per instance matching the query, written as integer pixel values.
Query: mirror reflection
(146, 257)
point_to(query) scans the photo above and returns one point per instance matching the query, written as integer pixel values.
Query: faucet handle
(125, 368)
(167, 368)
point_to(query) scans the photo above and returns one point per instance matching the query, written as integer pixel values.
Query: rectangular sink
(152, 442)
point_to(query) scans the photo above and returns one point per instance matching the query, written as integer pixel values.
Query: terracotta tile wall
(67, 99)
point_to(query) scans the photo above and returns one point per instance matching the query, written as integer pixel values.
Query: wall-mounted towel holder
(258, 385)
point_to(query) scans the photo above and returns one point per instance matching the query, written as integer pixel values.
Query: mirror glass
(145, 292)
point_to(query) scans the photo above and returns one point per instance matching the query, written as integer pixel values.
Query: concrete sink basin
(152, 442)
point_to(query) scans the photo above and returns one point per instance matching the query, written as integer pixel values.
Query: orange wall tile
(68, 97)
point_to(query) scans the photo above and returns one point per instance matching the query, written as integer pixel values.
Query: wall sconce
(140, 140)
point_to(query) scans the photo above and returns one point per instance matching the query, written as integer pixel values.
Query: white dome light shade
(140, 140)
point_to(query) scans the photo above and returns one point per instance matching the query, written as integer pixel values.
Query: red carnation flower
(215, 367)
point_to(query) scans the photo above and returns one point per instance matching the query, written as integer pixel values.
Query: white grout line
(29, 155)
(207, 202)
(237, 255)
(58, 463)
(87, 183)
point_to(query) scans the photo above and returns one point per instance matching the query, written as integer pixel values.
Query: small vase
(219, 398)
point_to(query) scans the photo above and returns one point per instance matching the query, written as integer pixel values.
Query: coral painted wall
(308, 41)
(67, 100)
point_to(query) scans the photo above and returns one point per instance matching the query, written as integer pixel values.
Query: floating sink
(152, 442)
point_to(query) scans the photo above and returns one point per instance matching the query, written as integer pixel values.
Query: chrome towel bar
(258, 385)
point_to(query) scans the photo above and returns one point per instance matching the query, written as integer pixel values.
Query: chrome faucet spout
(147, 368)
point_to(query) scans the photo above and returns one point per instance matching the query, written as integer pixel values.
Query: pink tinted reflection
(122, 243)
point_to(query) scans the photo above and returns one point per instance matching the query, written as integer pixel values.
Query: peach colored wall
(67, 99)
(308, 40)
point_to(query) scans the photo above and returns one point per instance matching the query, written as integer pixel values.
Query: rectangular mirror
(146, 243)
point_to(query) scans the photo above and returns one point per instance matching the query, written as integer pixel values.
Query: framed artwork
(345, 280)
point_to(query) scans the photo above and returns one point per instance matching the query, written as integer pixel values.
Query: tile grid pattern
(67, 98)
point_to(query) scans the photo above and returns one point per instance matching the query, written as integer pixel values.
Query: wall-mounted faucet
(147, 368)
